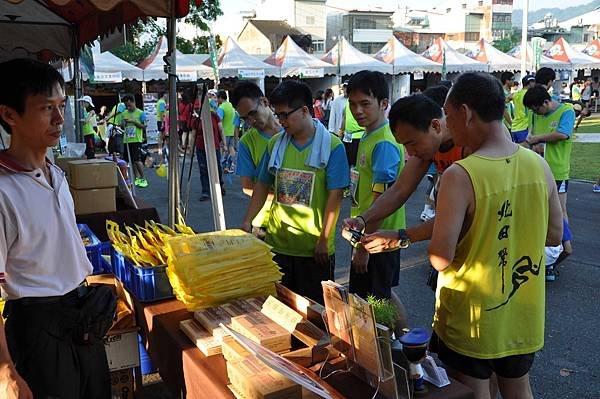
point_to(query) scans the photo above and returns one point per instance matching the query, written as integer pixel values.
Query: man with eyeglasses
(252, 106)
(307, 169)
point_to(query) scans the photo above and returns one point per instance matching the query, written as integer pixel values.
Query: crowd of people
(499, 157)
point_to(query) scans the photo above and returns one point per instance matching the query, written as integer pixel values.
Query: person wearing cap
(90, 126)
(43, 262)
(521, 115)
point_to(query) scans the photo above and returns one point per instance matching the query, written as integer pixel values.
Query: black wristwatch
(403, 240)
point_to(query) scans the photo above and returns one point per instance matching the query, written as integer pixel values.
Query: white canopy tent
(496, 60)
(403, 60)
(544, 61)
(291, 60)
(561, 50)
(188, 70)
(351, 60)
(455, 61)
(234, 62)
(108, 68)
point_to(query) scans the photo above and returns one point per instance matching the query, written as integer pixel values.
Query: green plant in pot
(386, 312)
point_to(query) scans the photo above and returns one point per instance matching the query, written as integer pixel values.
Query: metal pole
(524, 39)
(173, 138)
(78, 109)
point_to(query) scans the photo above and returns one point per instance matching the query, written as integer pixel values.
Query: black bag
(97, 312)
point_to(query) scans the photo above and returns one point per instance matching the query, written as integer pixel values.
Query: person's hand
(247, 227)
(322, 251)
(353, 224)
(360, 258)
(380, 241)
(12, 383)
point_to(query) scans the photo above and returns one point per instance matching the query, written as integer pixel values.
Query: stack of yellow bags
(145, 246)
(214, 268)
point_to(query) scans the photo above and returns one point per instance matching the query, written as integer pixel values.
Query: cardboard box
(203, 339)
(92, 173)
(94, 200)
(122, 350)
(121, 384)
(262, 330)
(254, 380)
(63, 163)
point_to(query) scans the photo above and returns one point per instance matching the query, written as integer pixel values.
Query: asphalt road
(567, 366)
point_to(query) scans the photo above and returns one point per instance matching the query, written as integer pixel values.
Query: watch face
(404, 243)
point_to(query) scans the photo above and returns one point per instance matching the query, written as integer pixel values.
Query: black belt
(79, 292)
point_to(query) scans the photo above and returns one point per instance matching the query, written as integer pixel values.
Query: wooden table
(187, 372)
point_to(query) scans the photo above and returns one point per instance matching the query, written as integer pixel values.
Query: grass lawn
(590, 125)
(585, 161)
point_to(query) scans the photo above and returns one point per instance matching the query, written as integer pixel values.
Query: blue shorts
(520, 136)
(567, 236)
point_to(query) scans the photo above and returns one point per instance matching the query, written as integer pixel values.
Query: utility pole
(524, 39)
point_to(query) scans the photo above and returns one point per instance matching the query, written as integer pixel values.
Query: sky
(231, 23)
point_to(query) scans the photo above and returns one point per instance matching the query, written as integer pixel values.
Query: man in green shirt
(161, 114)
(521, 117)
(133, 122)
(379, 162)
(252, 106)
(307, 170)
(90, 127)
(231, 129)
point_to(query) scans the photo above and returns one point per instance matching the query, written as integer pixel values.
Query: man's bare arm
(454, 198)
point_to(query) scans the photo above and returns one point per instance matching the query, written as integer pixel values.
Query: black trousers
(303, 275)
(40, 344)
(383, 273)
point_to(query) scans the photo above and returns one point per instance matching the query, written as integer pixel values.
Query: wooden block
(210, 318)
(254, 380)
(232, 350)
(203, 339)
(264, 331)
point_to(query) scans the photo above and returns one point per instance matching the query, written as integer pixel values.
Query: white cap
(87, 99)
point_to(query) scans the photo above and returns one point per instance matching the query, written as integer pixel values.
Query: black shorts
(562, 186)
(161, 126)
(515, 366)
(383, 273)
(303, 275)
(352, 151)
(135, 149)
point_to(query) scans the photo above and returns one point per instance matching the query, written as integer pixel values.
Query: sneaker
(137, 182)
(205, 197)
(428, 213)
(596, 188)
(551, 273)
(142, 183)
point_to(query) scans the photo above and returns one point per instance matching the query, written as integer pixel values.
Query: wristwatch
(403, 240)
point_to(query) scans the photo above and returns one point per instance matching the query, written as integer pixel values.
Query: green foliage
(507, 43)
(135, 50)
(386, 312)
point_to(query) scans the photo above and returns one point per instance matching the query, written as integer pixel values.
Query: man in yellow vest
(161, 114)
(489, 313)
(230, 127)
(133, 121)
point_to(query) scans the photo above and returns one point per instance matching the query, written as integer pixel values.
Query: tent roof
(351, 60)
(291, 59)
(232, 59)
(187, 68)
(268, 27)
(561, 50)
(45, 29)
(108, 64)
(593, 49)
(544, 61)
(403, 60)
(496, 59)
(455, 61)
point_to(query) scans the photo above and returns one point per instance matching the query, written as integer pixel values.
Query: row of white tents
(343, 59)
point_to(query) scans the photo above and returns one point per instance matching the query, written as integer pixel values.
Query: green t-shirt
(362, 176)
(558, 153)
(133, 134)
(301, 193)
(351, 125)
(88, 128)
(521, 115)
(228, 116)
(161, 106)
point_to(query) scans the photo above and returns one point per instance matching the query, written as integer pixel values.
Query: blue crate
(119, 267)
(145, 361)
(95, 250)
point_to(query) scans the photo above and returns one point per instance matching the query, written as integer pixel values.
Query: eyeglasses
(285, 115)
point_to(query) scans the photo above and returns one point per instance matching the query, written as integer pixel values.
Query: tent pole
(173, 138)
(524, 40)
(78, 94)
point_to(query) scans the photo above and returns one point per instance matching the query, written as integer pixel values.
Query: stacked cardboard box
(93, 185)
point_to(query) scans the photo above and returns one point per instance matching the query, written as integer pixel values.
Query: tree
(507, 43)
(141, 38)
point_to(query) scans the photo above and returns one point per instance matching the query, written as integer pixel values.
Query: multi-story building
(308, 16)
(578, 30)
(368, 30)
(460, 22)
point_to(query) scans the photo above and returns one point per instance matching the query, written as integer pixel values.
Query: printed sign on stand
(150, 100)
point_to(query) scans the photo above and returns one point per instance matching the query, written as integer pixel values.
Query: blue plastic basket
(95, 250)
(145, 361)
(120, 268)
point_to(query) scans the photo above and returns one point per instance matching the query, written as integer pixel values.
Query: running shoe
(142, 183)
(551, 273)
(428, 213)
(137, 182)
(596, 188)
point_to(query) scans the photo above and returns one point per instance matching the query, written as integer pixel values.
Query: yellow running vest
(490, 300)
